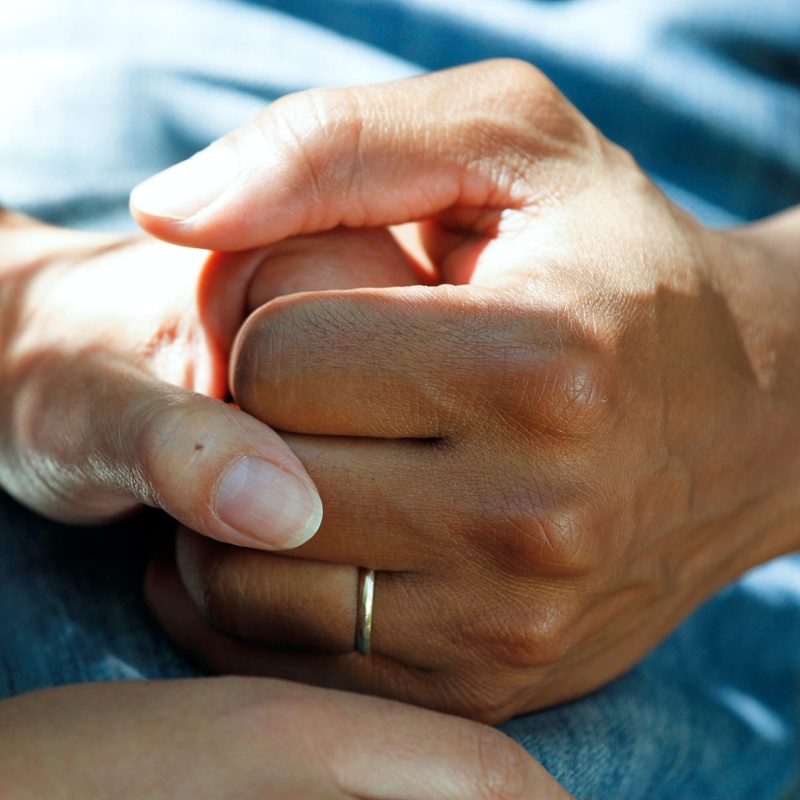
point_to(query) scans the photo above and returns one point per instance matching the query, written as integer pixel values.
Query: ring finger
(297, 604)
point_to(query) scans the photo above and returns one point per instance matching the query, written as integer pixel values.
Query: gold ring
(366, 595)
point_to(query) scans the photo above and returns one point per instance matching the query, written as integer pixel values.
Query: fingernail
(268, 505)
(186, 188)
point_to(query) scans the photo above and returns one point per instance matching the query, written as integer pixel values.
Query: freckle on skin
(198, 446)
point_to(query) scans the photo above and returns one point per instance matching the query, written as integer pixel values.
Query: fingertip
(266, 506)
(185, 189)
(224, 473)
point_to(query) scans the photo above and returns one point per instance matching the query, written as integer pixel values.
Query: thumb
(369, 156)
(135, 440)
(216, 468)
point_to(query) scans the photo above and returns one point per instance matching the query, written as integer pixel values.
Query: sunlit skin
(115, 348)
(551, 457)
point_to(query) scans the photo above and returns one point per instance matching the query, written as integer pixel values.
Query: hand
(112, 351)
(250, 738)
(550, 461)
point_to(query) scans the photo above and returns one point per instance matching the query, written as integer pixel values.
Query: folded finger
(356, 157)
(294, 604)
(419, 362)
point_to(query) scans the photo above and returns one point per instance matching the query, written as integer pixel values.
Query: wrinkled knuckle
(558, 383)
(527, 639)
(515, 634)
(552, 539)
(538, 89)
(577, 402)
(561, 399)
(478, 694)
(527, 530)
(551, 634)
(482, 710)
(501, 767)
(314, 126)
(546, 109)
(516, 77)
(489, 712)
(566, 541)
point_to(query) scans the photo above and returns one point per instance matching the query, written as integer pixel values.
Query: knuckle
(550, 635)
(558, 398)
(565, 542)
(557, 379)
(319, 130)
(520, 114)
(574, 399)
(534, 86)
(526, 640)
(513, 634)
(556, 122)
(478, 694)
(494, 709)
(529, 531)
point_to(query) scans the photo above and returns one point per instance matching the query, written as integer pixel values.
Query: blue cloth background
(98, 94)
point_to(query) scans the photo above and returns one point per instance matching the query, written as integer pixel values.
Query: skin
(249, 738)
(85, 355)
(551, 457)
(88, 350)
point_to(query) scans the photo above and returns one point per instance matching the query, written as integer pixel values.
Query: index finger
(473, 137)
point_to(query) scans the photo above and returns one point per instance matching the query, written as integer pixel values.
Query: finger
(204, 462)
(356, 157)
(427, 565)
(433, 533)
(447, 687)
(419, 361)
(442, 756)
(295, 604)
(338, 259)
(233, 737)
(174, 609)
(234, 284)
(419, 506)
(304, 605)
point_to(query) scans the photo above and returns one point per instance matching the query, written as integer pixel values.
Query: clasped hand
(550, 455)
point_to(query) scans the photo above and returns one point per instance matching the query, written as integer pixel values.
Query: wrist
(756, 271)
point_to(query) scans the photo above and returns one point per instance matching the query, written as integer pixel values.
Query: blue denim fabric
(98, 94)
